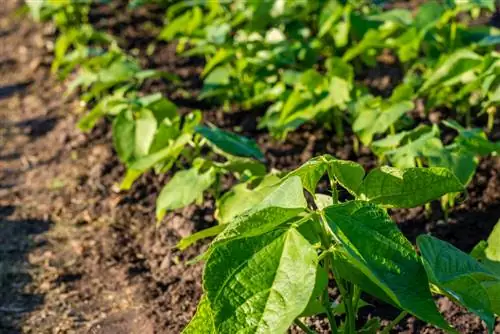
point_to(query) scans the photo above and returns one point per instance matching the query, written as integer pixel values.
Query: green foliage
(365, 230)
(392, 187)
(231, 143)
(185, 187)
(268, 265)
(462, 278)
(301, 59)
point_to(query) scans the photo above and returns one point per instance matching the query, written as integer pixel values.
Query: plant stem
(335, 192)
(330, 316)
(355, 145)
(356, 296)
(327, 305)
(453, 33)
(304, 327)
(393, 323)
(491, 111)
(350, 326)
(350, 313)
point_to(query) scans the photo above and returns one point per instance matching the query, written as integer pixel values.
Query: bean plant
(270, 266)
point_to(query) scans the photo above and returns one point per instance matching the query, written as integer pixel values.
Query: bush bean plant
(270, 266)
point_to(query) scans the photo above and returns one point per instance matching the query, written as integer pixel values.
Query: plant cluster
(300, 60)
(148, 130)
(279, 243)
(271, 264)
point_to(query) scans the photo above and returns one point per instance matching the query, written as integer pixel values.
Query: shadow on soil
(9, 90)
(17, 239)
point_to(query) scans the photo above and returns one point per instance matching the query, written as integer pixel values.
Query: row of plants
(149, 132)
(278, 242)
(300, 59)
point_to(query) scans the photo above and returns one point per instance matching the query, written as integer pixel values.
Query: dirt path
(53, 278)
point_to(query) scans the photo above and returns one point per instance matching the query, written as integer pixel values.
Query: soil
(77, 256)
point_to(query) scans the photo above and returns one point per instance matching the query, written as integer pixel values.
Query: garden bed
(78, 255)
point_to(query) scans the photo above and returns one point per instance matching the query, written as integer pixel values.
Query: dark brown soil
(76, 256)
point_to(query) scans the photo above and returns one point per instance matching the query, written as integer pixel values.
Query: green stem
(392, 129)
(491, 118)
(335, 192)
(350, 326)
(304, 327)
(356, 296)
(393, 323)
(468, 118)
(453, 33)
(350, 313)
(355, 145)
(327, 305)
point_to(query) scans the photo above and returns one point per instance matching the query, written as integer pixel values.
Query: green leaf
(374, 245)
(322, 201)
(489, 4)
(414, 144)
(461, 162)
(488, 252)
(340, 92)
(185, 187)
(242, 166)
(283, 203)
(310, 173)
(124, 135)
(348, 270)
(428, 15)
(163, 109)
(220, 56)
(400, 16)
(203, 320)
(87, 122)
(376, 120)
(219, 76)
(120, 70)
(348, 174)
(260, 284)
(166, 134)
(493, 250)
(170, 152)
(175, 26)
(206, 233)
(145, 129)
(390, 144)
(474, 140)
(243, 197)
(461, 277)
(452, 69)
(231, 143)
(315, 305)
(407, 188)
